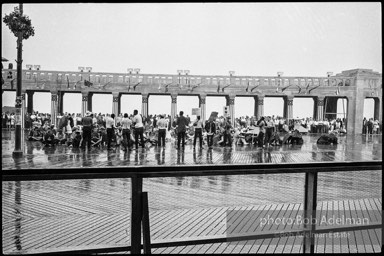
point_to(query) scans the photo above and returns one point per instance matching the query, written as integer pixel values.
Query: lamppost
(130, 71)
(329, 74)
(231, 73)
(180, 72)
(279, 74)
(186, 72)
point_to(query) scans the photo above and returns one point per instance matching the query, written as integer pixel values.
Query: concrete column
(202, 107)
(90, 95)
(355, 109)
(54, 99)
(30, 101)
(289, 108)
(231, 104)
(320, 108)
(260, 107)
(378, 109)
(22, 109)
(116, 103)
(144, 105)
(256, 107)
(173, 107)
(84, 105)
(60, 103)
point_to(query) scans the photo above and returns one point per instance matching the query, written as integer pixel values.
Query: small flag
(338, 90)
(87, 83)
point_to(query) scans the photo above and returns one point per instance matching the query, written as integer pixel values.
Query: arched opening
(130, 102)
(215, 104)
(303, 107)
(42, 102)
(158, 104)
(102, 103)
(244, 106)
(186, 103)
(369, 108)
(273, 106)
(8, 98)
(72, 103)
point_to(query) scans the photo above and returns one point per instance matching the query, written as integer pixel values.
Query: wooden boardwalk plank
(358, 234)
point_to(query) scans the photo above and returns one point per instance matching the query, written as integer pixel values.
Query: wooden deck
(25, 232)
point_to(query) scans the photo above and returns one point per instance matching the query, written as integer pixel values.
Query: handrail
(137, 173)
(185, 170)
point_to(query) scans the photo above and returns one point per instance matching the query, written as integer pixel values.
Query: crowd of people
(371, 126)
(131, 131)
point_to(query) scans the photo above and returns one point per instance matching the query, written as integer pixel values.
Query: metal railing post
(310, 201)
(136, 214)
(145, 223)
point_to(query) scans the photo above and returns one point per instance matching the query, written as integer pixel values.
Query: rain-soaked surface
(349, 148)
(65, 201)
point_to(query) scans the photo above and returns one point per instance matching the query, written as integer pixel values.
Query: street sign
(196, 111)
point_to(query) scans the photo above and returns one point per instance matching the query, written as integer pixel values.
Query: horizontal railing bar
(194, 241)
(188, 170)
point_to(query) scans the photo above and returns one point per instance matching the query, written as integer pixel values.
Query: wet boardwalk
(350, 148)
(62, 214)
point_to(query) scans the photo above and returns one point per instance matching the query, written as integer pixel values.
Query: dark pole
(18, 152)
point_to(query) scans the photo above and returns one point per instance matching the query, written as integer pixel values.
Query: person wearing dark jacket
(210, 127)
(87, 131)
(181, 127)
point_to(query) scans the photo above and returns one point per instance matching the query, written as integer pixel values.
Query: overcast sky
(300, 39)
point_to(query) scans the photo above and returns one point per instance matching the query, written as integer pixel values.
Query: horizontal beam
(196, 241)
(189, 170)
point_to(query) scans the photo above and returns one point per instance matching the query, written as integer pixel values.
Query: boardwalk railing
(139, 209)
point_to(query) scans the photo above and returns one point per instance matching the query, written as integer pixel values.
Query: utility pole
(18, 152)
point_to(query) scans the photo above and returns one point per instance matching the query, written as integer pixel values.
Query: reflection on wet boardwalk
(350, 148)
(49, 215)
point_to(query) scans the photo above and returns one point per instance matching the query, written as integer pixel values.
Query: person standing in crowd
(198, 124)
(268, 130)
(162, 125)
(126, 125)
(109, 125)
(181, 127)
(210, 127)
(227, 132)
(139, 129)
(365, 125)
(87, 131)
(261, 123)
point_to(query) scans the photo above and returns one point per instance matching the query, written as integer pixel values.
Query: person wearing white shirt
(198, 124)
(126, 125)
(109, 124)
(162, 124)
(139, 129)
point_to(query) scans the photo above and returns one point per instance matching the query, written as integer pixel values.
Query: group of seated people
(241, 134)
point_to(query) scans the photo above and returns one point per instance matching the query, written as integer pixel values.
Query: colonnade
(57, 105)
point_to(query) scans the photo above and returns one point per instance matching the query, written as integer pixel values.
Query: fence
(139, 210)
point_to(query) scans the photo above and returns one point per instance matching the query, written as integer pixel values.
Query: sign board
(214, 115)
(226, 111)
(18, 116)
(196, 111)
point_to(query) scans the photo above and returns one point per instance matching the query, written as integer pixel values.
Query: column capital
(54, 97)
(174, 98)
(116, 94)
(202, 96)
(144, 98)
(320, 102)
